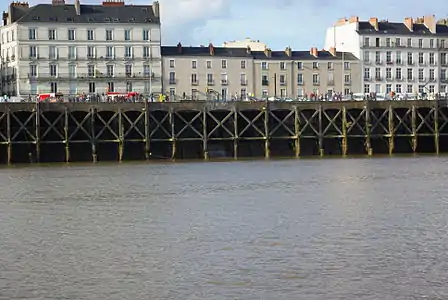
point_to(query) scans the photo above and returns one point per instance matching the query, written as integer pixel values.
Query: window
(72, 52)
(171, 63)
(223, 63)
(90, 70)
(243, 93)
(397, 42)
(90, 35)
(398, 88)
(378, 57)
(172, 77)
(346, 65)
(347, 79)
(300, 92)
(388, 88)
(443, 59)
(282, 93)
(432, 75)
(109, 34)
(398, 57)
(146, 70)
(110, 70)
(330, 80)
(409, 88)
(420, 58)
(33, 52)
(431, 43)
(194, 78)
(243, 64)
(346, 91)
(92, 88)
(377, 88)
(431, 89)
(264, 80)
(243, 79)
(315, 65)
(409, 42)
(366, 56)
(377, 42)
(282, 65)
(442, 44)
(33, 70)
(172, 93)
(398, 73)
(366, 88)
(53, 87)
(431, 59)
(420, 74)
(72, 71)
(367, 73)
(300, 78)
(146, 35)
(209, 64)
(32, 34)
(315, 78)
(109, 52)
(90, 51)
(194, 94)
(410, 74)
(110, 87)
(377, 73)
(410, 58)
(264, 65)
(420, 43)
(146, 52)
(299, 65)
(128, 52)
(443, 74)
(388, 57)
(210, 79)
(127, 35)
(282, 79)
(387, 42)
(194, 64)
(52, 52)
(71, 34)
(128, 86)
(388, 73)
(421, 89)
(51, 34)
(330, 65)
(366, 42)
(128, 70)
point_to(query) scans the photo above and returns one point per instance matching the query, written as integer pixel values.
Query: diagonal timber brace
(22, 126)
(107, 125)
(52, 126)
(281, 123)
(220, 123)
(80, 126)
(159, 125)
(251, 123)
(188, 124)
(133, 124)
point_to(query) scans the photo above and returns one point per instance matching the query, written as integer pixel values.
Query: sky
(300, 24)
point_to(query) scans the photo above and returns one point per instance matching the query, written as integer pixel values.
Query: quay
(76, 132)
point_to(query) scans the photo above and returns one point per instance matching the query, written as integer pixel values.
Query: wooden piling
(147, 132)
(267, 150)
(66, 135)
(37, 113)
(414, 128)
(391, 129)
(205, 133)
(297, 131)
(93, 134)
(236, 132)
(120, 135)
(344, 131)
(321, 133)
(8, 134)
(436, 126)
(173, 134)
(368, 126)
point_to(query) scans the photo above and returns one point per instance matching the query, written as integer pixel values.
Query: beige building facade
(208, 73)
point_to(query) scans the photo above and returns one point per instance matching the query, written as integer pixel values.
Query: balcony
(422, 63)
(243, 82)
(128, 57)
(300, 82)
(389, 62)
(195, 82)
(378, 62)
(330, 82)
(210, 82)
(316, 83)
(172, 81)
(347, 82)
(422, 79)
(282, 83)
(389, 79)
(399, 78)
(224, 82)
(378, 78)
(411, 63)
(265, 82)
(399, 62)
(444, 80)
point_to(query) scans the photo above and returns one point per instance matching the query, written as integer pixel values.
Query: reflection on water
(292, 229)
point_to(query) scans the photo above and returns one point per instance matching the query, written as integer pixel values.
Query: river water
(286, 229)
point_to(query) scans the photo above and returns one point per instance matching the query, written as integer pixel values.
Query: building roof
(259, 55)
(395, 28)
(62, 13)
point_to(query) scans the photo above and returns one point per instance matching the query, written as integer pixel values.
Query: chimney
(341, 21)
(267, 52)
(78, 7)
(21, 4)
(113, 3)
(353, 19)
(179, 48)
(58, 2)
(156, 9)
(332, 51)
(430, 22)
(374, 23)
(248, 50)
(288, 51)
(5, 18)
(211, 49)
(314, 52)
(409, 22)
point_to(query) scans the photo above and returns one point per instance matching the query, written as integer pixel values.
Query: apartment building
(200, 73)
(76, 48)
(225, 73)
(293, 74)
(402, 57)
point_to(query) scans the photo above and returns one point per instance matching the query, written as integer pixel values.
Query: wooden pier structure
(74, 132)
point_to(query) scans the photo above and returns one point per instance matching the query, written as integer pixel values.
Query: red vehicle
(50, 97)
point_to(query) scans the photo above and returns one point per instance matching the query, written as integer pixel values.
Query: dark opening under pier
(75, 132)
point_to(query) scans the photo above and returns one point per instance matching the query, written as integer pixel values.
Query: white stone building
(407, 57)
(75, 48)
